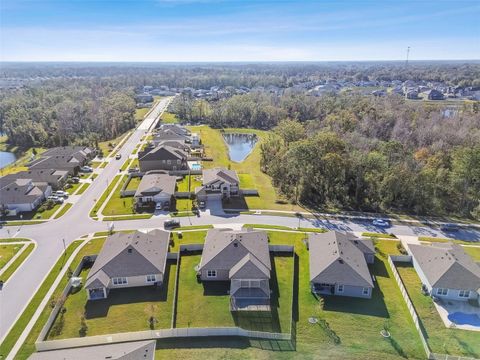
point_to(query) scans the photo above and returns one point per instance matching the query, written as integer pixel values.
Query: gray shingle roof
(135, 254)
(225, 248)
(155, 183)
(163, 153)
(220, 174)
(21, 191)
(447, 266)
(336, 259)
(66, 157)
(50, 176)
(123, 351)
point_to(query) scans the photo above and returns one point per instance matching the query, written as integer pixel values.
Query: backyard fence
(183, 194)
(123, 191)
(280, 248)
(413, 313)
(157, 334)
(249, 192)
(59, 304)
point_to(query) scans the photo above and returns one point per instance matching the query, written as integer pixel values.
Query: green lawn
(118, 205)
(73, 188)
(169, 118)
(18, 261)
(441, 339)
(29, 347)
(82, 188)
(378, 235)
(47, 214)
(189, 237)
(442, 240)
(108, 145)
(64, 210)
(124, 310)
(133, 183)
(107, 191)
(248, 170)
(95, 164)
(213, 300)
(474, 252)
(7, 252)
(182, 186)
(140, 113)
(183, 204)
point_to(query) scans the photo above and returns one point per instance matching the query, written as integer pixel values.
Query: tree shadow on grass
(99, 308)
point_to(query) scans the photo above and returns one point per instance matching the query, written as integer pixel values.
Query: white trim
(442, 292)
(211, 273)
(367, 292)
(151, 278)
(465, 294)
(340, 288)
(119, 281)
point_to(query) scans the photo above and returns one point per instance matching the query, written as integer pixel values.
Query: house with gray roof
(22, 195)
(68, 158)
(446, 271)
(242, 258)
(128, 260)
(55, 178)
(144, 350)
(156, 187)
(218, 183)
(162, 158)
(339, 264)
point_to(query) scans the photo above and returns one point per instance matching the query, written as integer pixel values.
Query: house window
(441, 291)
(120, 281)
(151, 278)
(169, 162)
(340, 288)
(212, 273)
(366, 291)
(464, 293)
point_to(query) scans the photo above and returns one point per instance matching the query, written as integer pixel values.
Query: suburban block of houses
(128, 260)
(68, 158)
(217, 184)
(21, 195)
(156, 187)
(242, 258)
(446, 271)
(339, 264)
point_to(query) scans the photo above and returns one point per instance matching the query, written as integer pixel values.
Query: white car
(158, 206)
(381, 223)
(86, 169)
(55, 199)
(60, 193)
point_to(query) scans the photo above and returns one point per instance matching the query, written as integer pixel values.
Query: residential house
(243, 258)
(412, 94)
(128, 260)
(68, 158)
(144, 98)
(446, 271)
(144, 350)
(218, 183)
(55, 178)
(162, 158)
(177, 129)
(435, 95)
(156, 187)
(339, 264)
(22, 195)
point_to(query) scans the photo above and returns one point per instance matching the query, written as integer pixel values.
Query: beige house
(128, 260)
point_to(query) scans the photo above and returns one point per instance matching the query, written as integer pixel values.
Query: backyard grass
(124, 310)
(214, 300)
(107, 191)
(7, 252)
(29, 347)
(18, 261)
(248, 170)
(133, 183)
(182, 186)
(64, 210)
(441, 339)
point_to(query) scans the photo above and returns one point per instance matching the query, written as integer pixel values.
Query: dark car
(171, 224)
(449, 227)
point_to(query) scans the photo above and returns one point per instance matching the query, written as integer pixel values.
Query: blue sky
(215, 30)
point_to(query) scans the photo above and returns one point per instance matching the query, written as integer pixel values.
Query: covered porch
(97, 293)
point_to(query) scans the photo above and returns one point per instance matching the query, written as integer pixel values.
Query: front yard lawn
(441, 339)
(124, 310)
(474, 252)
(183, 204)
(118, 205)
(7, 252)
(213, 302)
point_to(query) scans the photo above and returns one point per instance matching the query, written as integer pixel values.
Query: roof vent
(129, 250)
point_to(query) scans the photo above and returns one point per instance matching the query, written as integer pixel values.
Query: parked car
(75, 179)
(201, 204)
(133, 170)
(171, 224)
(86, 169)
(381, 223)
(118, 156)
(158, 206)
(56, 199)
(61, 193)
(449, 227)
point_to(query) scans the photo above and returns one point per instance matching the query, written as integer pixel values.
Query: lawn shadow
(99, 308)
(216, 288)
(236, 203)
(204, 343)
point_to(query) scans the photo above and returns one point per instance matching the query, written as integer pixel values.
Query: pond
(240, 145)
(6, 158)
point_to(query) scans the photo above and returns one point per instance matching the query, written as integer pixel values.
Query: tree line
(64, 112)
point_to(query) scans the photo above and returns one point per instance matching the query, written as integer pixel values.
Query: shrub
(401, 249)
(329, 332)
(83, 327)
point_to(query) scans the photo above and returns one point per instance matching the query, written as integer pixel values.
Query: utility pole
(408, 53)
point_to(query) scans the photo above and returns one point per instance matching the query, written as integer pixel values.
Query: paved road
(75, 223)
